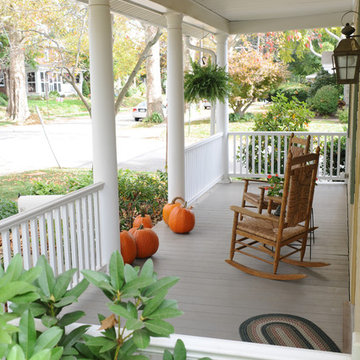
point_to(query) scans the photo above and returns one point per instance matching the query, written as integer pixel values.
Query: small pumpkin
(147, 242)
(143, 219)
(127, 247)
(181, 219)
(169, 207)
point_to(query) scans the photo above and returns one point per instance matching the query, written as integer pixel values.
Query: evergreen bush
(298, 91)
(155, 118)
(326, 99)
(343, 115)
(85, 88)
(7, 208)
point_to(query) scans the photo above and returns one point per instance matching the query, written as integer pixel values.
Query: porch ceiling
(238, 16)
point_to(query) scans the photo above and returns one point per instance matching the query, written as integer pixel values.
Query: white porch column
(175, 95)
(103, 124)
(222, 114)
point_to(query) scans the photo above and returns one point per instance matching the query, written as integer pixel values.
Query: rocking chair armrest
(275, 199)
(247, 212)
(255, 180)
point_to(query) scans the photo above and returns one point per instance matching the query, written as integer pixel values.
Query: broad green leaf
(159, 327)
(48, 339)
(48, 321)
(62, 283)
(15, 268)
(95, 277)
(78, 289)
(141, 338)
(116, 269)
(3, 350)
(36, 309)
(129, 273)
(205, 358)
(31, 275)
(102, 342)
(14, 288)
(25, 298)
(161, 284)
(147, 269)
(131, 308)
(65, 301)
(121, 311)
(46, 280)
(167, 355)
(165, 313)
(84, 351)
(5, 338)
(71, 338)
(134, 324)
(27, 333)
(179, 350)
(137, 284)
(42, 355)
(56, 353)
(70, 318)
(128, 347)
(2, 272)
(154, 303)
(16, 353)
(137, 357)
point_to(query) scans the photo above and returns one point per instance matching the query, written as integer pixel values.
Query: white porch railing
(255, 154)
(65, 230)
(203, 166)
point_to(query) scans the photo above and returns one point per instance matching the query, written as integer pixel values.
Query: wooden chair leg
(276, 259)
(303, 247)
(233, 235)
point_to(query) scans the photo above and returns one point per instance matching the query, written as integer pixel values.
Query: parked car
(206, 105)
(139, 111)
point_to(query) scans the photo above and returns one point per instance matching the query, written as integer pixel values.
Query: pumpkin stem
(177, 198)
(141, 227)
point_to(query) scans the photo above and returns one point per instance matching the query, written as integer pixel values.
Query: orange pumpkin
(127, 247)
(181, 219)
(147, 242)
(169, 207)
(143, 219)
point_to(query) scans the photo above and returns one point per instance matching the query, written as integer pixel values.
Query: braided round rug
(286, 330)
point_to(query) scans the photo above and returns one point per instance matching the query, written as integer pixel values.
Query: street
(26, 148)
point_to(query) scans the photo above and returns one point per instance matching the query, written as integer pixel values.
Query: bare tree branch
(141, 59)
(311, 47)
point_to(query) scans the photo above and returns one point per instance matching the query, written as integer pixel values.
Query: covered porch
(216, 298)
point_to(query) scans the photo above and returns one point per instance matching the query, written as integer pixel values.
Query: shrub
(343, 115)
(298, 91)
(3, 99)
(335, 155)
(54, 93)
(7, 208)
(85, 88)
(234, 117)
(326, 99)
(155, 118)
(322, 79)
(282, 115)
(4, 96)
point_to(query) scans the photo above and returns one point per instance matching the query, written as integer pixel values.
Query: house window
(2, 79)
(77, 79)
(31, 82)
(43, 81)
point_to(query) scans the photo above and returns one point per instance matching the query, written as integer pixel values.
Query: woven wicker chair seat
(266, 229)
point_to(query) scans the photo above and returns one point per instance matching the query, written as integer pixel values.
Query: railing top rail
(5, 224)
(203, 142)
(317, 133)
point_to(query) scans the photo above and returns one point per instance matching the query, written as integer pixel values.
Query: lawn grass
(14, 184)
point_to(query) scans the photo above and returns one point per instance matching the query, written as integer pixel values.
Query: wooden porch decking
(216, 297)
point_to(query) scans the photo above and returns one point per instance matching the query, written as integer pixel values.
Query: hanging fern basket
(210, 82)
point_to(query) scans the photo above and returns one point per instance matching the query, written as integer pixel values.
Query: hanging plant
(210, 82)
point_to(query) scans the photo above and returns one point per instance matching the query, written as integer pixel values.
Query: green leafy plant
(322, 79)
(326, 99)
(179, 352)
(155, 118)
(343, 115)
(7, 208)
(290, 90)
(85, 88)
(210, 82)
(282, 115)
(276, 185)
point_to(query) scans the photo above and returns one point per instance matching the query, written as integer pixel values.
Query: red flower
(276, 175)
(269, 176)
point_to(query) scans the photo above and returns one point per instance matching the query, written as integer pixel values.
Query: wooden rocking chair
(268, 234)
(297, 146)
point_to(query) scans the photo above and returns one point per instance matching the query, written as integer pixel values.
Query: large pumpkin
(181, 219)
(147, 242)
(145, 220)
(169, 207)
(127, 247)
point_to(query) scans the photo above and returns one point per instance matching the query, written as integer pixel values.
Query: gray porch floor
(216, 298)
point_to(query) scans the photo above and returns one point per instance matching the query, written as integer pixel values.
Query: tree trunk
(18, 109)
(153, 77)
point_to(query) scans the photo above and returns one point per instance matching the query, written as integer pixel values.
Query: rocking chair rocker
(267, 233)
